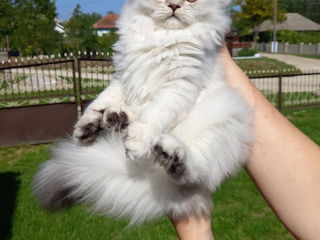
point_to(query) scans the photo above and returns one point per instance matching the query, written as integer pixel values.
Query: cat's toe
(88, 128)
(162, 157)
(177, 168)
(171, 159)
(117, 121)
(89, 133)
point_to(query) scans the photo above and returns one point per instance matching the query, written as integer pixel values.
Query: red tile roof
(108, 21)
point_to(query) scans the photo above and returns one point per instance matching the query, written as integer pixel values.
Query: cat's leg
(165, 108)
(210, 144)
(106, 112)
(170, 153)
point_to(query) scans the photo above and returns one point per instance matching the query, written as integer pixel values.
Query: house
(106, 24)
(59, 28)
(294, 22)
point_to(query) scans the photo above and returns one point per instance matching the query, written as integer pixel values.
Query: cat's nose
(174, 7)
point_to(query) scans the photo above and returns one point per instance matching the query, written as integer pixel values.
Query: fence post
(79, 85)
(263, 47)
(286, 45)
(318, 49)
(301, 48)
(230, 39)
(75, 87)
(280, 92)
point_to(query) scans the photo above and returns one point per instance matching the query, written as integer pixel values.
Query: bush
(247, 52)
(298, 37)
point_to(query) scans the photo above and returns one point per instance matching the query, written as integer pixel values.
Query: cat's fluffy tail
(101, 175)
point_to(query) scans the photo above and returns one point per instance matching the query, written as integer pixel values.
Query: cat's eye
(191, 0)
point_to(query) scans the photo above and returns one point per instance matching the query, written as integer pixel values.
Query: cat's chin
(173, 23)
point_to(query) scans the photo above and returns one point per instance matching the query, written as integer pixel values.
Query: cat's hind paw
(169, 154)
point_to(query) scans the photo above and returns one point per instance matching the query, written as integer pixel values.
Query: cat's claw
(171, 158)
(92, 123)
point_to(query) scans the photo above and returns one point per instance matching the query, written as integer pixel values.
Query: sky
(65, 7)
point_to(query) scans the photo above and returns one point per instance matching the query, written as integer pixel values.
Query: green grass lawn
(293, 100)
(264, 67)
(308, 56)
(239, 212)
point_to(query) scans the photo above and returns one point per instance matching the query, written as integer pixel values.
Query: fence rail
(288, 91)
(79, 80)
(41, 99)
(48, 81)
(286, 48)
(94, 76)
(37, 82)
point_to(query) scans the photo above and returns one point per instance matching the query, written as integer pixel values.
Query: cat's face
(178, 14)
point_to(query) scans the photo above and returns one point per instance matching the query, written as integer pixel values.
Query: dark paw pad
(90, 132)
(172, 163)
(117, 121)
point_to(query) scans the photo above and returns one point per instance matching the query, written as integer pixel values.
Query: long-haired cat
(165, 133)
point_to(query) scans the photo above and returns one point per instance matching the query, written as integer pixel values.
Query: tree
(307, 8)
(7, 20)
(255, 12)
(106, 41)
(80, 32)
(34, 24)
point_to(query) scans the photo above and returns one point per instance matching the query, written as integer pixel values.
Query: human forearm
(284, 163)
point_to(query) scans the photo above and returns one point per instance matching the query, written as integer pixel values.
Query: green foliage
(7, 19)
(292, 37)
(106, 41)
(253, 14)
(80, 33)
(34, 24)
(30, 26)
(247, 52)
(308, 8)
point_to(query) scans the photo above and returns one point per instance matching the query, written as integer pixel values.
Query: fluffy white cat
(165, 133)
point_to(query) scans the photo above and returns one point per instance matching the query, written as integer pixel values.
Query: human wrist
(193, 228)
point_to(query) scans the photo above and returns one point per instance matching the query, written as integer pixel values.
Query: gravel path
(304, 64)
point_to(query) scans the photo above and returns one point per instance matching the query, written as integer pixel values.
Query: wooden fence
(41, 99)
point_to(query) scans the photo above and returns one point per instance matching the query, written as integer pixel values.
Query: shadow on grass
(9, 186)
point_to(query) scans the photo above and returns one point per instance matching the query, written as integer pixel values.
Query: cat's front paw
(137, 141)
(92, 123)
(115, 120)
(170, 154)
(88, 127)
